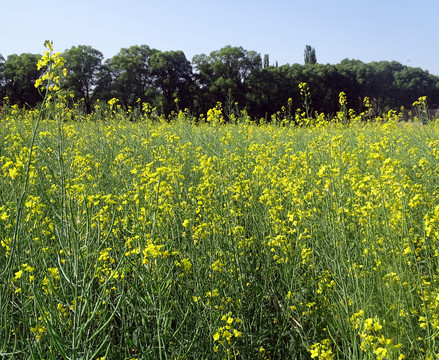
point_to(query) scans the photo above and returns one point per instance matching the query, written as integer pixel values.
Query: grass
(175, 240)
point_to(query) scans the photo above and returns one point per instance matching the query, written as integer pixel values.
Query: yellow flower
(18, 274)
(54, 272)
(186, 264)
(112, 101)
(13, 173)
(38, 331)
(237, 333)
(227, 335)
(27, 268)
(381, 352)
(377, 326)
(342, 98)
(368, 324)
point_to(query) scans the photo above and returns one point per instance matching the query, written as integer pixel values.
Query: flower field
(214, 238)
(157, 240)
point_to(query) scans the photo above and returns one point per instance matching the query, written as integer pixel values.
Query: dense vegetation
(192, 238)
(141, 74)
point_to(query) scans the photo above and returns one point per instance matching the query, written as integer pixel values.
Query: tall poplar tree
(310, 55)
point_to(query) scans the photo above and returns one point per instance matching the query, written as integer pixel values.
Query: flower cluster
(227, 333)
(53, 65)
(157, 239)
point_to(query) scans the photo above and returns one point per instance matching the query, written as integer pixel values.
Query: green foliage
(166, 239)
(83, 64)
(266, 61)
(172, 74)
(310, 55)
(227, 68)
(129, 76)
(151, 239)
(141, 74)
(19, 73)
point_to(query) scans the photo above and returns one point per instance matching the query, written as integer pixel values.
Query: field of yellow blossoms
(159, 239)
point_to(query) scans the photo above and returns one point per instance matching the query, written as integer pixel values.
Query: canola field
(174, 240)
(215, 237)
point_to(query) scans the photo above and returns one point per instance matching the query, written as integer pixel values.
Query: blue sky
(373, 30)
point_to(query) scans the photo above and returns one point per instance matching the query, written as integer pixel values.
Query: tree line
(231, 75)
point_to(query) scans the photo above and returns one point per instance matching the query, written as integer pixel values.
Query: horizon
(190, 58)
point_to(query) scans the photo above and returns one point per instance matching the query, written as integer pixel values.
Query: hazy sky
(403, 30)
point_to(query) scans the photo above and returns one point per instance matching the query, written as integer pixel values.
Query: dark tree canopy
(141, 74)
(130, 76)
(83, 64)
(19, 73)
(227, 69)
(172, 77)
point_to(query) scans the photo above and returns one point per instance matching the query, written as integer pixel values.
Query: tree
(19, 75)
(83, 64)
(269, 90)
(129, 76)
(266, 61)
(377, 81)
(325, 83)
(172, 77)
(413, 83)
(310, 55)
(2, 84)
(227, 69)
